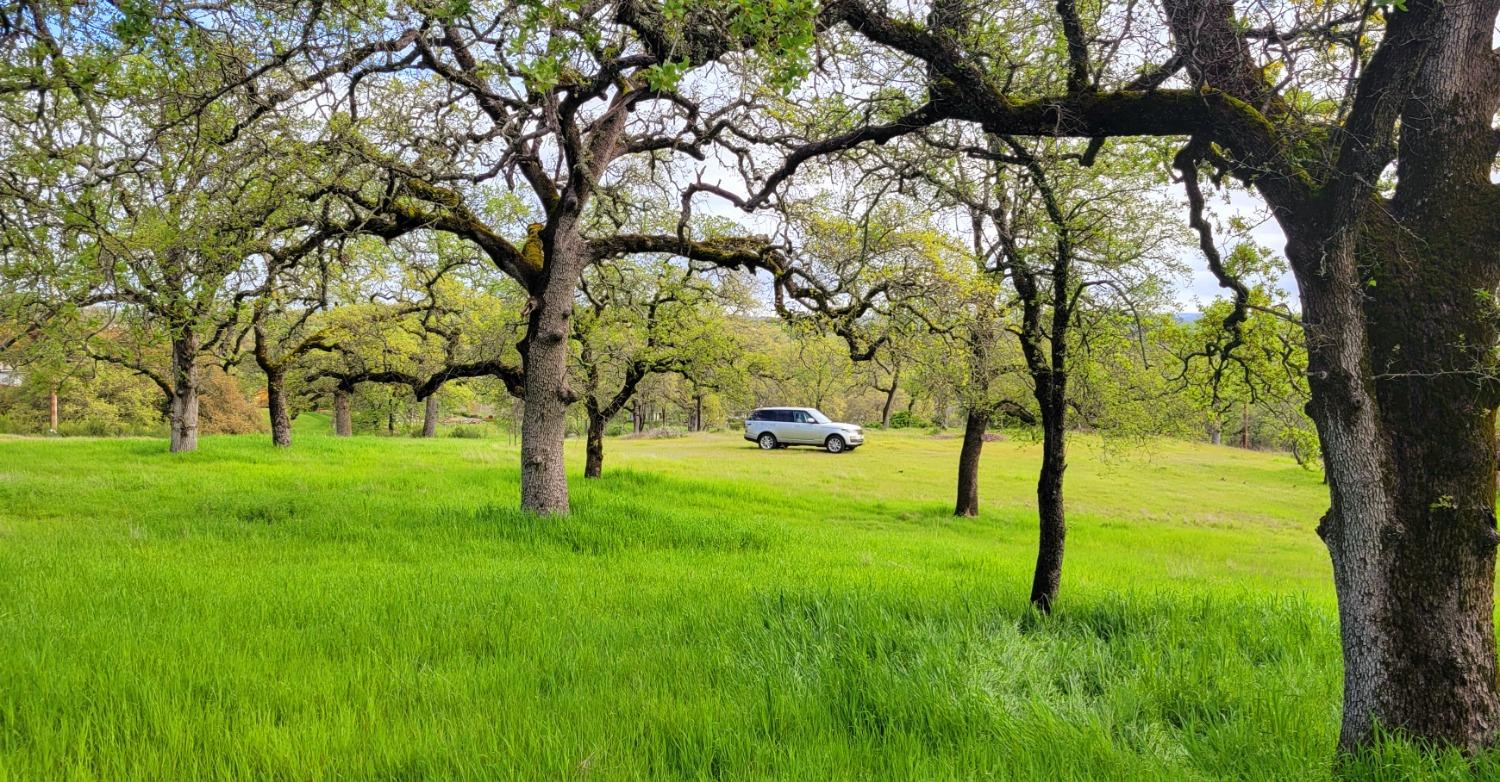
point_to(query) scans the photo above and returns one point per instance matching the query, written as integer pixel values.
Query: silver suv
(778, 427)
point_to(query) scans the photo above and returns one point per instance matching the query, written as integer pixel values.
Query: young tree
(1065, 249)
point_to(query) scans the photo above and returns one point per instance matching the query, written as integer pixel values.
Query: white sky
(1201, 288)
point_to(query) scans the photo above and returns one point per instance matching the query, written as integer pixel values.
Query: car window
(757, 415)
(804, 418)
(818, 417)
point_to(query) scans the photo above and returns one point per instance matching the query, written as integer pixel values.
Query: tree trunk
(1215, 433)
(184, 407)
(52, 404)
(1049, 501)
(281, 421)
(968, 463)
(343, 425)
(595, 464)
(1049, 377)
(544, 479)
(1400, 323)
(1410, 461)
(890, 398)
(430, 416)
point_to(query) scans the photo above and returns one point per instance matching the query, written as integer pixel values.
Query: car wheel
(767, 441)
(835, 444)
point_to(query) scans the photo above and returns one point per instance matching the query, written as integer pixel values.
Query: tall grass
(374, 609)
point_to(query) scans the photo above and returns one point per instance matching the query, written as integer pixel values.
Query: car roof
(785, 408)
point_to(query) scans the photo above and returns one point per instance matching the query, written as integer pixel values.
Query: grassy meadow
(374, 608)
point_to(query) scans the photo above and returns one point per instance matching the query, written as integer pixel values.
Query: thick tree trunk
(1401, 325)
(544, 479)
(430, 416)
(281, 421)
(1410, 460)
(343, 425)
(184, 406)
(1215, 433)
(594, 467)
(977, 424)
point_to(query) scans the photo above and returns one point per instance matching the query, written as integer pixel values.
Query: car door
(803, 427)
(755, 423)
(783, 425)
(778, 422)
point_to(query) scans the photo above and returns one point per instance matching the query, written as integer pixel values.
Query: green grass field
(374, 608)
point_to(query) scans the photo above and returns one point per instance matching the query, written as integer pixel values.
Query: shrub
(905, 419)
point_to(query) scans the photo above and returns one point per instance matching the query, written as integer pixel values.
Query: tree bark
(1049, 500)
(343, 425)
(184, 404)
(52, 404)
(594, 467)
(281, 421)
(430, 416)
(968, 463)
(544, 479)
(1410, 461)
